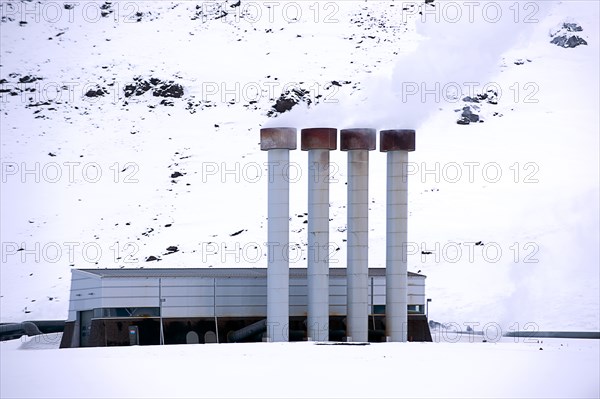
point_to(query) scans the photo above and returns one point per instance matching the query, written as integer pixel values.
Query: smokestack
(397, 144)
(358, 143)
(278, 142)
(318, 142)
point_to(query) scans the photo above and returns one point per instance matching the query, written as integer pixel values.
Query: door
(86, 327)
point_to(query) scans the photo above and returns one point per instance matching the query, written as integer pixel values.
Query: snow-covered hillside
(130, 133)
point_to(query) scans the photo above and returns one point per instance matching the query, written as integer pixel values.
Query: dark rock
(565, 38)
(568, 42)
(468, 114)
(284, 104)
(137, 89)
(169, 89)
(152, 258)
(288, 100)
(147, 233)
(572, 27)
(463, 121)
(237, 233)
(172, 248)
(159, 88)
(106, 9)
(38, 104)
(175, 175)
(28, 79)
(99, 92)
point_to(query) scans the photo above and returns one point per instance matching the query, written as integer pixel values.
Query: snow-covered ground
(550, 368)
(90, 180)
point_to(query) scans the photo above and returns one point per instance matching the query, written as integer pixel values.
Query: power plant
(279, 303)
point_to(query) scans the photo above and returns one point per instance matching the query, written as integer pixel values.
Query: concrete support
(278, 142)
(318, 142)
(397, 144)
(358, 143)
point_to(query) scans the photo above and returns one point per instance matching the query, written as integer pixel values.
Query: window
(378, 309)
(130, 312)
(415, 309)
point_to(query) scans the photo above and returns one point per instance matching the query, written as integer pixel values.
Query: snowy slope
(539, 227)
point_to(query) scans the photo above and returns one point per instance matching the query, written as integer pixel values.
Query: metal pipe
(215, 308)
(12, 329)
(160, 307)
(318, 142)
(397, 144)
(278, 142)
(248, 331)
(358, 143)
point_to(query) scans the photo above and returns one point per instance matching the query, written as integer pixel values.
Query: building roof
(218, 272)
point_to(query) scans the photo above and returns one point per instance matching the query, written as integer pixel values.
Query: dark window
(415, 309)
(130, 312)
(378, 309)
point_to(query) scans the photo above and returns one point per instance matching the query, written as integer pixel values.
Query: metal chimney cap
(319, 138)
(357, 139)
(397, 140)
(278, 138)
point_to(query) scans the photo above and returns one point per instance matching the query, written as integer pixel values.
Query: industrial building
(277, 303)
(113, 307)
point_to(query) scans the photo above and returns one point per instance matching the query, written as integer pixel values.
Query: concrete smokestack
(397, 144)
(358, 143)
(318, 142)
(278, 142)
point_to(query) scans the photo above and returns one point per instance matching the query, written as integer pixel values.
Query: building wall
(202, 296)
(86, 293)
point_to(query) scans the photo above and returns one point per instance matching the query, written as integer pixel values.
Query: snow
(550, 368)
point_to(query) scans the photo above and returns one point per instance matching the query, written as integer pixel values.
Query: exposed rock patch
(565, 36)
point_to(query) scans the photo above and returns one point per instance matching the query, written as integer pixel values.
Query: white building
(112, 306)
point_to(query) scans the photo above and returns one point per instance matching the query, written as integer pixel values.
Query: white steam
(460, 50)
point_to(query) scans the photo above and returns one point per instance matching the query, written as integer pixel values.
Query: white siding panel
(194, 296)
(85, 293)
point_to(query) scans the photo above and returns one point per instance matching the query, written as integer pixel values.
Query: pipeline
(248, 331)
(15, 330)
